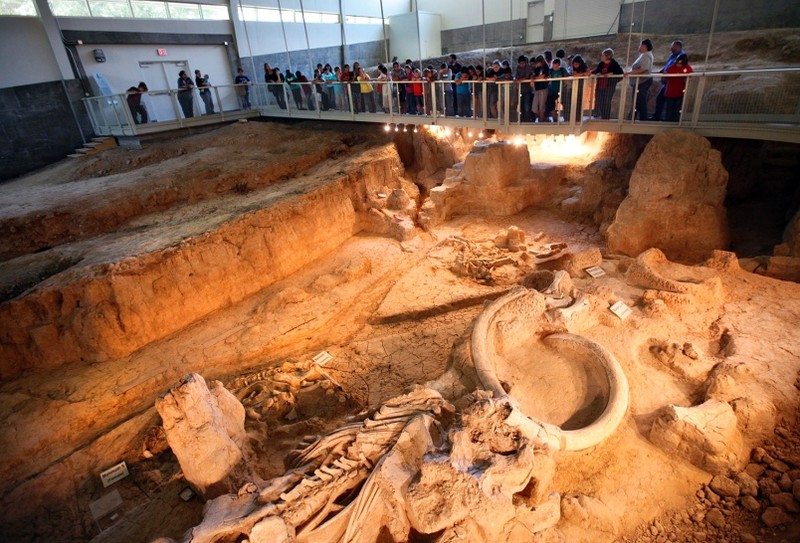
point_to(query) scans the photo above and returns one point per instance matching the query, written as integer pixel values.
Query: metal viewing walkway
(753, 104)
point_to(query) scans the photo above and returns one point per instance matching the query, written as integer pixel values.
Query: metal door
(535, 22)
(161, 76)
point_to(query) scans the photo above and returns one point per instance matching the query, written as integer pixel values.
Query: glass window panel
(312, 17)
(269, 15)
(184, 11)
(288, 15)
(70, 8)
(248, 13)
(17, 7)
(330, 18)
(110, 8)
(149, 10)
(214, 13)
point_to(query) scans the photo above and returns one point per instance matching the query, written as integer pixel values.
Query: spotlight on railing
(518, 141)
(480, 134)
(405, 128)
(416, 129)
(469, 134)
(397, 128)
(387, 127)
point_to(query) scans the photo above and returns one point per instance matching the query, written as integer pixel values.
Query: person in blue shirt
(676, 50)
(243, 90)
(463, 93)
(554, 92)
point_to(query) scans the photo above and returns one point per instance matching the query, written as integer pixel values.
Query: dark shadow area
(763, 193)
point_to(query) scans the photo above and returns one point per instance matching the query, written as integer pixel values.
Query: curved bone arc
(485, 368)
(481, 353)
(571, 440)
(618, 395)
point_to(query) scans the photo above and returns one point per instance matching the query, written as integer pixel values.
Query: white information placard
(114, 474)
(621, 310)
(105, 505)
(322, 358)
(595, 271)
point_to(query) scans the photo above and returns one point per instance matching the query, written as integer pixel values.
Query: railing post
(220, 109)
(577, 88)
(622, 102)
(506, 104)
(90, 105)
(434, 104)
(483, 102)
(349, 89)
(116, 113)
(698, 102)
(173, 95)
(285, 91)
(128, 114)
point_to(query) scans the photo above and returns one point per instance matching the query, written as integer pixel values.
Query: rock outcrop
(496, 178)
(675, 201)
(205, 429)
(706, 435)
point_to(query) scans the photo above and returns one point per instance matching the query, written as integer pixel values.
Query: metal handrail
(710, 105)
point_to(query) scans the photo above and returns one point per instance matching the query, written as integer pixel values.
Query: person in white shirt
(642, 65)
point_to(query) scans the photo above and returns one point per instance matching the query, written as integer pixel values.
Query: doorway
(535, 21)
(160, 76)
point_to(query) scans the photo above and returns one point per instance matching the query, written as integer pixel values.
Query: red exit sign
(161, 52)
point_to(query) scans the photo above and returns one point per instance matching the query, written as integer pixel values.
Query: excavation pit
(565, 389)
(568, 383)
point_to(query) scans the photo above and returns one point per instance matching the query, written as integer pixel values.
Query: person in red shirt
(676, 87)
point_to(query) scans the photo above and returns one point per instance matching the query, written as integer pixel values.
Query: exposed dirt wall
(113, 309)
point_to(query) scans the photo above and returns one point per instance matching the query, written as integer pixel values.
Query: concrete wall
(460, 14)
(366, 54)
(26, 57)
(574, 19)
(696, 15)
(497, 35)
(415, 36)
(37, 127)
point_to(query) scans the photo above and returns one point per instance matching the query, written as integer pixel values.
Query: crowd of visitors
(543, 87)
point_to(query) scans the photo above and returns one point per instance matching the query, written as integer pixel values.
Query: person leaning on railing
(491, 75)
(675, 87)
(185, 94)
(522, 78)
(134, 99)
(540, 88)
(606, 71)
(418, 90)
(397, 76)
(275, 81)
(676, 49)
(554, 90)
(338, 90)
(366, 95)
(320, 90)
(642, 65)
(429, 77)
(579, 72)
(355, 88)
(383, 89)
(328, 77)
(476, 74)
(445, 96)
